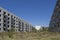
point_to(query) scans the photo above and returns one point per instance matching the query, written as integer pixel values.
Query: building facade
(55, 19)
(9, 21)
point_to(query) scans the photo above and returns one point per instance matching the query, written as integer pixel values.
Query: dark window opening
(0, 24)
(0, 19)
(0, 28)
(11, 15)
(8, 18)
(8, 26)
(4, 29)
(0, 10)
(14, 23)
(4, 16)
(8, 30)
(0, 15)
(14, 17)
(11, 22)
(4, 20)
(11, 25)
(14, 20)
(4, 12)
(8, 14)
(8, 22)
(4, 24)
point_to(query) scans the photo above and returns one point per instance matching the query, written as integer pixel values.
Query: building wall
(9, 21)
(55, 19)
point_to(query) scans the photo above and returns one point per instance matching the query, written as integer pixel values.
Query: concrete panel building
(55, 19)
(9, 21)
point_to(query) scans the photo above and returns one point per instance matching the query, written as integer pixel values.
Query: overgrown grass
(30, 36)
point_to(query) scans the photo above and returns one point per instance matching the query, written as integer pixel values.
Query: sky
(36, 12)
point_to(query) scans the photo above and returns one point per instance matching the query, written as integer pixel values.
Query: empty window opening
(8, 18)
(11, 15)
(14, 20)
(4, 24)
(4, 12)
(0, 19)
(14, 17)
(4, 29)
(4, 16)
(4, 20)
(0, 15)
(8, 26)
(0, 24)
(8, 22)
(0, 28)
(0, 10)
(8, 14)
(14, 23)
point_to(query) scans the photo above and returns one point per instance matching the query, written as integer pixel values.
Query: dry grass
(30, 36)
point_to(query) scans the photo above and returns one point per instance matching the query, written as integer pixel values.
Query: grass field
(30, 36)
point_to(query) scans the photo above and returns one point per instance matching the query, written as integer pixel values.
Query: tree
(33, 29)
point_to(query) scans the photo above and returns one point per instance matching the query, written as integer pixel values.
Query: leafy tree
(33, 29)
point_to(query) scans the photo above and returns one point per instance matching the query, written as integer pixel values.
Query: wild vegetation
(43, 34)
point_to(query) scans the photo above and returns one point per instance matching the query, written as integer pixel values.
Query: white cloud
(37, 27)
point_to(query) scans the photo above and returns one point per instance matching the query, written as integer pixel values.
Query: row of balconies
(12, 21)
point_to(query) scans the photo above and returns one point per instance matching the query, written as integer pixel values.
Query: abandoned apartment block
(9, 21)
(55, 19)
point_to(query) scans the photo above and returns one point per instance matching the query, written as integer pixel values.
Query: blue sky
(36, 12)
